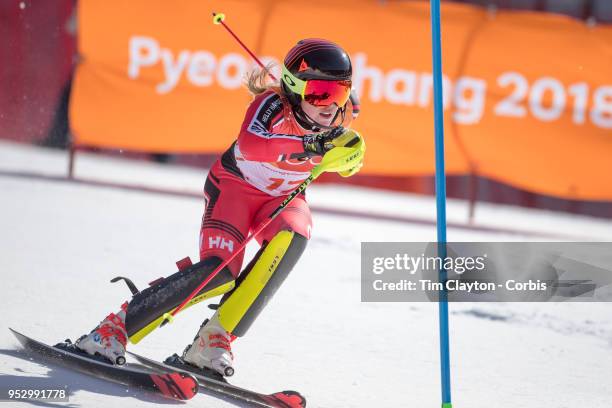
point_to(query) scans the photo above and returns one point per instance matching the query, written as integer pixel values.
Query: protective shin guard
(243, 305)
(146, 309)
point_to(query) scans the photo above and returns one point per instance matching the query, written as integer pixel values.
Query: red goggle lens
(324, 93)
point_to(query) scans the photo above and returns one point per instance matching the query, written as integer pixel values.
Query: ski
(224, 390)
(170, 383)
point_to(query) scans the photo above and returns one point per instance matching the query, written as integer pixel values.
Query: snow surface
(61, 243)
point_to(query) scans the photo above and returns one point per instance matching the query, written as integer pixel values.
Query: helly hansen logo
(220, 242)
(273, 106)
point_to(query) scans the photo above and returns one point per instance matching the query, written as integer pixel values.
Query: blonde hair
(259, 80)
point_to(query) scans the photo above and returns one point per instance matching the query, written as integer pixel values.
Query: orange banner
(528, 96)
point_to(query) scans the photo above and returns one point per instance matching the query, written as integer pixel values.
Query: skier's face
(320, 114)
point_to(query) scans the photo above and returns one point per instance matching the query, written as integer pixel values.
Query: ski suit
(253, 177)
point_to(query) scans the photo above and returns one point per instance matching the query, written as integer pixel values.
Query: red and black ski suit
(253, 177)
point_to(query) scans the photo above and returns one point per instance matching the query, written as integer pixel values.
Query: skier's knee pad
(146, 309)
(268, 271)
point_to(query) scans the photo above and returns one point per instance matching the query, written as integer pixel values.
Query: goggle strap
(294, 83)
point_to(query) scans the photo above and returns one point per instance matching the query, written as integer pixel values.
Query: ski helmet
(319, 72)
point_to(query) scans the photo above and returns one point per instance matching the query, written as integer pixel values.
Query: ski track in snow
(61, 244)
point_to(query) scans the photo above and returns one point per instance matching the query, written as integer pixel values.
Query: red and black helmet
(319, 72)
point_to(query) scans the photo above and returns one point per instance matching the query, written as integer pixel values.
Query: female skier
(288, 127)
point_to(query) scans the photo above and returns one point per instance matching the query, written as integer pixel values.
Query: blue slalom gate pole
(440, 199)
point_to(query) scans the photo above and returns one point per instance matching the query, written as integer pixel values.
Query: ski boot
(210, 354)
(108, 340)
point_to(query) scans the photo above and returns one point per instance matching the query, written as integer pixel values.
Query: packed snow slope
(62, 242)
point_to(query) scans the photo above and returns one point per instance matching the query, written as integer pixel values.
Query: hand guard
(352, 171)
(345, 154)
(348, 138)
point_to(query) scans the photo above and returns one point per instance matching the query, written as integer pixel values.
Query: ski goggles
(318, 92)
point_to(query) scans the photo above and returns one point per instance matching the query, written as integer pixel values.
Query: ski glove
(320, 143)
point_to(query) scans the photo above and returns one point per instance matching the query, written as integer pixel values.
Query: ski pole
(218, 18)
(315, 173)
